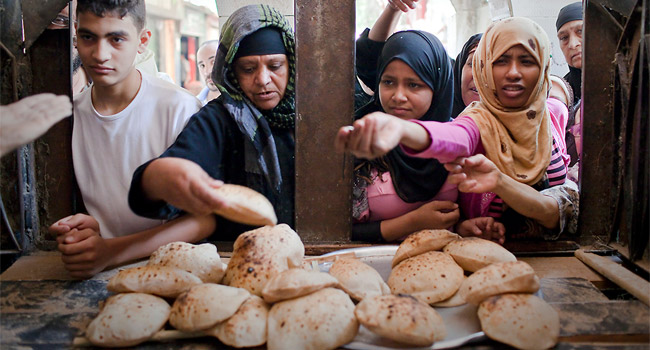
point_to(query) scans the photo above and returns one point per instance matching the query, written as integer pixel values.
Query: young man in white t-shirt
(125, 119)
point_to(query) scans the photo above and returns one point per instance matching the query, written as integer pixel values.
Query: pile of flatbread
(430, 265)
(267, 294)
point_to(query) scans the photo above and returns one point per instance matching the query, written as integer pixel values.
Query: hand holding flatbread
(245, 205)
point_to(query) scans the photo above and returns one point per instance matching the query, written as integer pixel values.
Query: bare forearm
(396, 228)
(152, 179)
(415, 136)
(528, 202)
(385, 25)
(187, 228)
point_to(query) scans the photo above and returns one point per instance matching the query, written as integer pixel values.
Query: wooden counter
(41, 307)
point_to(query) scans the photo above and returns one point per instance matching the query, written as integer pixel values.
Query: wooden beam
(324, 102)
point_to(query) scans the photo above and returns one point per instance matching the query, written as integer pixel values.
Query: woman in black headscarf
(244, 137)
(371, 42)
(465, 91)
(396, 194)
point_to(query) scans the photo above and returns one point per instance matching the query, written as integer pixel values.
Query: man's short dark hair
(134, 8)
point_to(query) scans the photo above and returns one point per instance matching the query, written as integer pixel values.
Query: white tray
(461, 321)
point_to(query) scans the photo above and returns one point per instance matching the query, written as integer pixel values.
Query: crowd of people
(485, 145)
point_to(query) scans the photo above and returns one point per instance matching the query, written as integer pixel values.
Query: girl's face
(515, 76)
(402, 93)
(467, 87)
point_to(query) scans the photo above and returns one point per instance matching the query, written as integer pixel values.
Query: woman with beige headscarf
(513, 136)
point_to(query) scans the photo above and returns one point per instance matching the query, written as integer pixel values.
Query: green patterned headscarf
(262, 157)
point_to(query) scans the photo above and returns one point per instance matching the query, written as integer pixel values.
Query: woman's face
(515, 76)
(402, 93)
(467, 87)
(263, 78)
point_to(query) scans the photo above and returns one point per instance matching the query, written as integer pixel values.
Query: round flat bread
(261, 254)
(421, 242)
(358, 279)
(245, 205)
(200, 260)
(402, 318)
(205, 305)
(499, 278)
(430, 277)
(454, 300)
(475, 253)
(294, 283)
(520, 320)
(128, 319)
(247, 327)
(164, 281)
(317, 321)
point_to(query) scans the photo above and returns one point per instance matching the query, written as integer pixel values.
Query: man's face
(108, 45)
(570, 36)
(205, 57)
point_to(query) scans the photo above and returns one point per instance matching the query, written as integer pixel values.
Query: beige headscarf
(518, 141)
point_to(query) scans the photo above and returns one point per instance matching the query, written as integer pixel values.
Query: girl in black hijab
(463, 97)
(380, 209)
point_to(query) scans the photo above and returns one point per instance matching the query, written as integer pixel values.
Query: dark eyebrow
(85, 31)
(117, 33)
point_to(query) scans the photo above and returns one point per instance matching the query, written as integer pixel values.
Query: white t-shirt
(106, 150)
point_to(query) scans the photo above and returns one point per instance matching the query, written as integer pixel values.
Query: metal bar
(54, 172)
(637, 219)
(324, 102)
(5, 220)
(598, 189)
(27, 195)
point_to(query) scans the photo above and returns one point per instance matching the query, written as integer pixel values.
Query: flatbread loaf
(205, 305)
(421, 242)
(499, 278)
(402, 318)
(520, 320)
(245, 205)
(164, 281)
(430, 277)
(128, 319)
(474, 253)
(247, 327)
(201, 260)
(294, 283)
(358, 279)
(261, 254)
(317, 321)
(454, 300)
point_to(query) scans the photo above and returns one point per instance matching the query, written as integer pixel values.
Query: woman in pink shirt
(395, 194)
(513, 125)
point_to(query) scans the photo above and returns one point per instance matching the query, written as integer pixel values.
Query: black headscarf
(461, 59)
(415, 179)
(569, 13)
